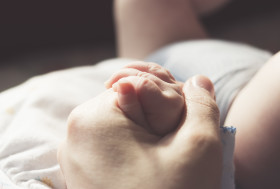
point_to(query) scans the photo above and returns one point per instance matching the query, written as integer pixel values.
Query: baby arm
(256, 114)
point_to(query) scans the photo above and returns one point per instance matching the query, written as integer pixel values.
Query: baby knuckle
(175, 100)
(177, 87)
(153, 67)
(146, 77)
(142, 74)
(141, 82)
(161, 72)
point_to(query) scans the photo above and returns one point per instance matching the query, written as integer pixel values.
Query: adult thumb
(196, 144)
(201, 118)
(202, 112)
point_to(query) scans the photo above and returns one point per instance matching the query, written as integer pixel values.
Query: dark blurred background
(41, 36)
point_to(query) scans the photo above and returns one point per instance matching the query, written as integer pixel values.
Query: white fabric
(33, 122)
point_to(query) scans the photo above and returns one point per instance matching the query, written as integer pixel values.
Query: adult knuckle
(206, 141)
(74, 120)
(81, 117)
(81, 124)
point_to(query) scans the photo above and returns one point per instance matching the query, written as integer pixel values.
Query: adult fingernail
(205, 83)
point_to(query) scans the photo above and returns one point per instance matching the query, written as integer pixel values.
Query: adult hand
(104, 149)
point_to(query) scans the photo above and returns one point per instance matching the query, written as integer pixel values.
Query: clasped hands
(106, 149)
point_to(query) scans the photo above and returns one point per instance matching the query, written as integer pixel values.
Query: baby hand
(149, 95)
